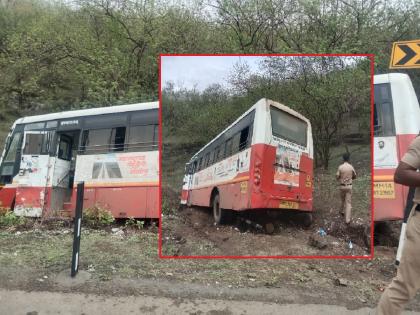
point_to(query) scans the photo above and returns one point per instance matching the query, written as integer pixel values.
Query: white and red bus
(264, 160)
(114, 150)
(396, 124)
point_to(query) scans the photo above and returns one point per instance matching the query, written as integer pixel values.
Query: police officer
(405, 285)
(345, 175)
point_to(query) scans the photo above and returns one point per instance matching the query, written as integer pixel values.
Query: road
(40, 303)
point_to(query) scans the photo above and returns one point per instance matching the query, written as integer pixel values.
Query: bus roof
(388, 77)
(262, 101)
(87, 112)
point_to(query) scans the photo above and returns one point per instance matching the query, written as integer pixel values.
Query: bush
(8, 218)
(3, 211)
(131, 222)
(166, 207)
(97, 216)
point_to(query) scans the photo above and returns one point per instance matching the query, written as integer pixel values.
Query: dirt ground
(39, 303)
(191, 231)
(126, 263)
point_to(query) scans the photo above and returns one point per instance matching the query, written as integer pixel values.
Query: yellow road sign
(405, 55)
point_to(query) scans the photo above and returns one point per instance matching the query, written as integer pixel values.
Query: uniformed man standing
(345, 175)
(405, 285)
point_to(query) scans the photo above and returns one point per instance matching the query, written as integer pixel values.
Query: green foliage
(97, 216)
(57, 55)
(166, 207)
(10, 219)
(133, 223)
(332, 92)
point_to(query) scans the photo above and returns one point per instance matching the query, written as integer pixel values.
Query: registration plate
(384, 190)
(288, 204)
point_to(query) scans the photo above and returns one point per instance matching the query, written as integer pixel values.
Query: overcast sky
(201, 71)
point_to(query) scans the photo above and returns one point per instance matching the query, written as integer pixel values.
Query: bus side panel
(266, 194)
(123, 202)
(7, 195)
(201, 196)
(234, 196)
(390, 198)
(152, 202)
(306, 182)
(30, 201)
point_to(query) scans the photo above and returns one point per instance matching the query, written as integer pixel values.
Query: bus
(396, 124)
(113, 150)
(263, 160)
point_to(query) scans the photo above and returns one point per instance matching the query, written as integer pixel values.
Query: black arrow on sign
(409, 53)
(418, 61)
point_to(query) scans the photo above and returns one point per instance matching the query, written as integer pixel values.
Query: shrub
(166, 207)
(3, 211)
(131, 222)
(97, 216)
(9, 218)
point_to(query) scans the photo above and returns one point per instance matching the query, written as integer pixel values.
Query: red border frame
(371, 256)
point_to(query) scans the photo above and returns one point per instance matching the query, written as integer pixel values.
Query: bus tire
(221, 216)
(307, 219)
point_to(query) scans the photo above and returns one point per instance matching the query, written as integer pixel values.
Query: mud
(192, 232)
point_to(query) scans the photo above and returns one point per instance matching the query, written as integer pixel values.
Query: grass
(107, 257)
(326, 195)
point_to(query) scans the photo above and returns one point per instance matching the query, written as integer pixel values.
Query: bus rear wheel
(307, 220)
(221, 216)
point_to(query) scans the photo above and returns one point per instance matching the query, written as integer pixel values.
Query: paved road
(39, 303)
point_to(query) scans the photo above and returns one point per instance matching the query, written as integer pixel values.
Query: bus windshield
(12, 149)
(288, 127)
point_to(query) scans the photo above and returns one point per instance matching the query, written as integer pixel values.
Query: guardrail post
(77, 229)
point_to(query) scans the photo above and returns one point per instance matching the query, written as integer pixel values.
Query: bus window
(243, 141)
(64, 148)
(228, 147)
(216, 154)
(156, 135)
(206, 160)
(143, 138)
(14, 145)
(96, 141)
(35, 144)
(118, 139)
(211, 160)
(236, 142)
(103, 140)
(288, 127)
(383, 111)
(193, 168)
(200, 164)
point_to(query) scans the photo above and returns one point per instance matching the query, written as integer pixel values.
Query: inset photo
(266, 156)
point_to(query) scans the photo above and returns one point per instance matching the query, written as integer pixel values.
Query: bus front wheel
(221, 216)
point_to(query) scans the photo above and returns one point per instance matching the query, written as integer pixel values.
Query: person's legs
(405, 285)
(348, 205)
(343, 200)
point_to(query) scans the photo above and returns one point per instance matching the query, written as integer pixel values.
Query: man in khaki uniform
(405, 285)
(345, 175)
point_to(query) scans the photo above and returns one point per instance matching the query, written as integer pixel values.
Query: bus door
(63, 173)
(33, 174)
